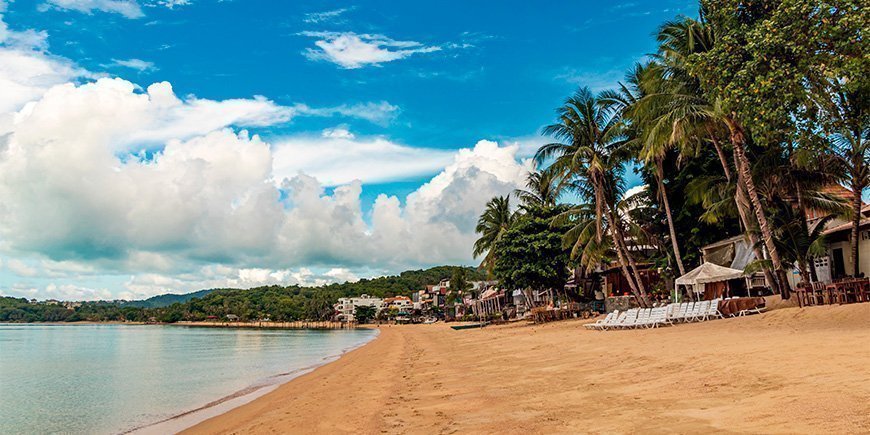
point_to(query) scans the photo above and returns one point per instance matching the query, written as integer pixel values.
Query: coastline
(190, 418)
(790, 370)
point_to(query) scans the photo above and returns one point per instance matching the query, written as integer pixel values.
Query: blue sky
(387, 93)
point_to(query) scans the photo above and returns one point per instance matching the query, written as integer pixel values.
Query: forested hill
(167, 299)
(274, 302)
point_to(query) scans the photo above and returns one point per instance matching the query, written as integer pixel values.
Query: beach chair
(600, 323)
(713, 312)
(660, 318)
(615, 321)
(629, 320)
(685, 311)
(701, 310)
(643, 317)
(671, 312)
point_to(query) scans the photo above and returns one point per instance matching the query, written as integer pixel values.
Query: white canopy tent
(705, 273)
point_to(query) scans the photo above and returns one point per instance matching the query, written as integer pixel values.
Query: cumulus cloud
(351, 50)
(101, 178)
(26, 70)
(339, 157)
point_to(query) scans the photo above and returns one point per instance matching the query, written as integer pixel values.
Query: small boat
(470, 325)
(430, 321)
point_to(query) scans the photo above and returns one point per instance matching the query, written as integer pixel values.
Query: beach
(790, 370)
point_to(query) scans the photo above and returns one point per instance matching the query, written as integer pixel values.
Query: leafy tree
(531, 252)
(364, 313)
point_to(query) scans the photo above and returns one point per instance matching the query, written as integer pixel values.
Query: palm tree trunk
(856, 223)
(738, 140)
(664, 196)
(626, 258)
(743, 207)
(599, 206)
(719, 152)
(749, 224)
(623, 264)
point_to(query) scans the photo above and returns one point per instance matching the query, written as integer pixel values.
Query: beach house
(345, 308)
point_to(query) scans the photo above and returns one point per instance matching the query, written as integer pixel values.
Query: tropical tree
(543, 188)
(531, 254)
(647, 139)
(591, 135)
(496, 219)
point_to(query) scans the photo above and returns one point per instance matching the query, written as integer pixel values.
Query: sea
(114, 378)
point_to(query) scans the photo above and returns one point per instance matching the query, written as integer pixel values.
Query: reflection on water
(110, 378)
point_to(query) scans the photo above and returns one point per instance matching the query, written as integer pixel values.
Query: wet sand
(786, 371)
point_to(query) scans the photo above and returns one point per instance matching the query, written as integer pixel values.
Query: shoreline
(789, 370)
(220, 406)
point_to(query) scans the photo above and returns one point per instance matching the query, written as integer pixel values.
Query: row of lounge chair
(660, 316)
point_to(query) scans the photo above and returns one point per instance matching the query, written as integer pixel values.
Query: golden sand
(786, 371)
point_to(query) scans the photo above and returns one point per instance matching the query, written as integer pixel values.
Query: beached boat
(470, 325)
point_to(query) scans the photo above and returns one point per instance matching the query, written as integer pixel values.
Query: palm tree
(496, 219)
(689, 111)
(848, 111)
(591, 135)
(643, 127)
(543, 189)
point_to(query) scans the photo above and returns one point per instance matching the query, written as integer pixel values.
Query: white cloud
(338, 157)
(21, 268)
(351, 50)
(376, 112)
(26, 70)
(104, 179)
(127, 8)
(136, 64)
(319, 17)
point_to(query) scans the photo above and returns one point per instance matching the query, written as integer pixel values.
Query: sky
(165, 146)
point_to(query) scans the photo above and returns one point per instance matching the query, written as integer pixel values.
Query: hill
(166, 300)
(276, 302)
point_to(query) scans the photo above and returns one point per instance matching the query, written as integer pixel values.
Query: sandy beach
(786, 371)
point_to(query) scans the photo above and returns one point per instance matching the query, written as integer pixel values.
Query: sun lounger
(659, 317)
(685, 311)
(713, 312)
(672, 310)
(629, 320)
(642, 318)
(600, 323)
(701, 309)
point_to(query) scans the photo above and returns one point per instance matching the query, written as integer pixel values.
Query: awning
(707, 272)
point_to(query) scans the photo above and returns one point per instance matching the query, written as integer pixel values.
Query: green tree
(531, 254)
(364, 313)
(591, 136)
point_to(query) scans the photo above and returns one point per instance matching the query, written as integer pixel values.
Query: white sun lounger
(630, 319)
(600, 323)
(700, 312)
(713, 312)
(643, 317)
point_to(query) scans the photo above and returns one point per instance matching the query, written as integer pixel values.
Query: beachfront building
(345, 308)
(399, 303)
(736, 252)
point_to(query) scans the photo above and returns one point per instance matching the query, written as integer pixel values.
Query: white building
(346, 306)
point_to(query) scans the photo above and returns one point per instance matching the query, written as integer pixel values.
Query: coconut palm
(496, 219)
(687, 112)
(648, 139)
(543, 188)
(590, 135)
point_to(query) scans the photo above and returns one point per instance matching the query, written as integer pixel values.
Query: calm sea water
(95, 379)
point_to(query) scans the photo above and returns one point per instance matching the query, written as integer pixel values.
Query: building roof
(846, 226)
